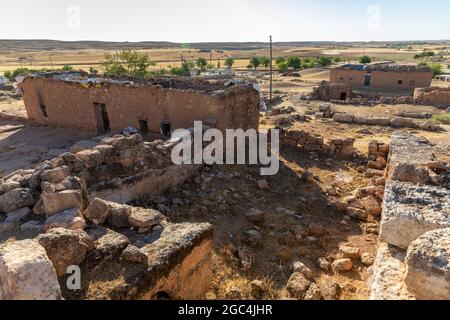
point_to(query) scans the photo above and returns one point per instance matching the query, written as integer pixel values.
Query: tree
(294, 63)
(283, 66)
(437, 69)
(185, 69)
(279, 60)
(324, 61)
(127, 63)
(7, 75)
(265, 61)
(255, 62)
(365, 59)
(201, 63)
(11, 75)
(210, 66)
(229, 62)
(337, 59)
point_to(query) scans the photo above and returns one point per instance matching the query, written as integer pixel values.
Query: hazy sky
(228, 20)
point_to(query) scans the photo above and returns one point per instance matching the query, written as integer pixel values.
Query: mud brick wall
(82, 105)
(433, 96)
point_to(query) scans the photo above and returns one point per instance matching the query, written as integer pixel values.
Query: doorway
(143, 126)
(165, 128)
(343, 96)
(367, 80)
(103, 121)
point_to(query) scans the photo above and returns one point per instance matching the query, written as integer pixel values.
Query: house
(93, 103)
(384, 76)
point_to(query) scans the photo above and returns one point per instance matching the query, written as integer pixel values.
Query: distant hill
(31, 45)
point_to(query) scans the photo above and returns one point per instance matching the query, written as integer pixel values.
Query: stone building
(385, 76)
(97, 104)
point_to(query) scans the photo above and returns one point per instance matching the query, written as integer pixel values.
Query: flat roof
(393, 67)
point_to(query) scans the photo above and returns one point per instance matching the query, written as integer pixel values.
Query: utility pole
(51, 61)
(271, 70)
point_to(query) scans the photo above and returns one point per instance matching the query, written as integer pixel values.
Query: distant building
(386, 76)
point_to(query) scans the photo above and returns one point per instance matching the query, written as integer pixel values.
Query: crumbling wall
(436, 96)
(414, 253)
(327, 91)
(78, 104)
(66, 204)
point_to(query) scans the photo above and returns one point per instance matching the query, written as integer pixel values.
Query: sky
(188, 21)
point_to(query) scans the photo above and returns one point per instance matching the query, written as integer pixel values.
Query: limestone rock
(342, 265)
(13, 219)
(98, 211)
(91, 158)
(119, 215)
(313, 293)
(357, 213)
(134, 255)
(407, 172)
(329, 289)
(298, 285)
(256, 216)
(349, 252)
(54, 202)
(16, 199)
(428, 266)
(367, 259)
(64, 248)
(324, 264)
(26, 273)
(69, 219)
(303, 269)
(371, 206)
(410, 210)
(55, 175)
(108, 244)
(144, 218)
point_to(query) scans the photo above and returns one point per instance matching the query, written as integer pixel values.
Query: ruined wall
(72, 104)
(332, 91)
(382, 79)
(433, 96)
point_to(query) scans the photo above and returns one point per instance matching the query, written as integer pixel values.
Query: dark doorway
(343, 96)
(143, 126)
(43, 110)
(165, 128)
(367, 80)
(104, 118)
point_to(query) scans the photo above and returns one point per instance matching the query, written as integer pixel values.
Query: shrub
(127, 63)
(437, 69)
(255, 62)
(337, 60)
(229, 62)
(324, 61)
(294, 63)
(443, 118)
(265, 61)
(184, 71)
(67, 68)
(7, 75)
(280, 60)
(365, 59)
(283, 66)
(11, 75)
(201, 63)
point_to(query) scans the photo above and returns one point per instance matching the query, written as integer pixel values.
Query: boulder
(430, 125)
(64, 248)
(9, 185)
(298, 285)
(55, 175)
(16, 199)
(91, 158)
(134, 255)
(69, 219)
(109, 245)
(428, 266)
(313, 293)
(144, 219)
(349, 252)
(54, 202)
(343, 117)
(409, 211)
(342, 265)
(26, 273)
(13, 219)
(303, 269)
(399, 122)
(329, 289)
(98, 211)
(407, 172)
(119, 215)
(371, 206)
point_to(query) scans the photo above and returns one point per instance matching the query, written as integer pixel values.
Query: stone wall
(73, 207)
(436, 96)
(308, 142)
(413, 259)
